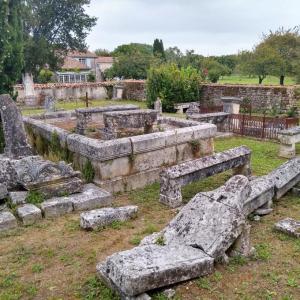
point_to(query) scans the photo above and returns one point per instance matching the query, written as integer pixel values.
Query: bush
(91, 77)
(172, 85)
(45, 76)
(88, 172)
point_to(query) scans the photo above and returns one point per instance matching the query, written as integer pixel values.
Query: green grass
(66, 105)
(240, 79)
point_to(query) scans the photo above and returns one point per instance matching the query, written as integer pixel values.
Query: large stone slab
(7, 221)
(18, 198)
(173, 178)
(289, 226)
(262, 193)
(148, 267)
(14, 133)
(91, 197)
(29, 214)
(99, 218)
(285, 177)
(211, 221)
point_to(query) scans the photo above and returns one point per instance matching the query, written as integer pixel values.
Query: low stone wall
(260, 96)
(129, 163)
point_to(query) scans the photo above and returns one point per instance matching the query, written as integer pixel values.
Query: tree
(11, 44)
(133, 66)
(132, 49)
(158, 49)
(262, 62)
(102, 52)
(214, 69)
(52, 27)
(173, 54)
(287, 45)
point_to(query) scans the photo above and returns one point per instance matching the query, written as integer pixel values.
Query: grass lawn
(81, 104)
(55, 259)
(240, 79)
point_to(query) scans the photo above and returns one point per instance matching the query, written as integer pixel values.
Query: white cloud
(207, 26)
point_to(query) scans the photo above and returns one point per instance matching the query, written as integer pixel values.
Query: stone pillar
(158, 106)
(118, 90)
(231, 105)
(29, 93)
(287, 150)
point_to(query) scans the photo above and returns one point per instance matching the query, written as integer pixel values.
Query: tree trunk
(281, 79)
(260, 80)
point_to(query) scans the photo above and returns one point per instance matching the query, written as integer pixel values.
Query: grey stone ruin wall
(13, 128)
(131, 162)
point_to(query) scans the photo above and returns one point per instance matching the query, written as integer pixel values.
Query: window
(83, 61)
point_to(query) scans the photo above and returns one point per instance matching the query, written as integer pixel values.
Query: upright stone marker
(14, 133)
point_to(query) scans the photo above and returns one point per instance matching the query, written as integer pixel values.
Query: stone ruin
(22, 172)
(124, 123)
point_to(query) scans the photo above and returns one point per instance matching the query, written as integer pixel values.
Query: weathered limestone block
(288, 139)
(18, 198)
(285, 177)
(148, 267)
(8, 175)
(56, 207)
(262, 193)
(99, 150)
(214, 118)
(193, 109)
(7, 221)
(99, 218)
(289, 226)
(211, 221)
(3, 191)
(91, 197)
(13, 128)
(29, 214)
(173, 178)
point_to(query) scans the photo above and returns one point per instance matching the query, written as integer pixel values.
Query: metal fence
(255, 126)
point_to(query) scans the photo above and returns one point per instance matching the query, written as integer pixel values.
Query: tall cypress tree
(11, 44)
(158, 49)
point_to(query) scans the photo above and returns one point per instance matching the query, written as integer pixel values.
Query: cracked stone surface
(99, 218)
(3, 191)
(285, 177)
(204, 229)
(148, 267)
(7, 221)
(29, 214)
(289, 226)
(18, 198)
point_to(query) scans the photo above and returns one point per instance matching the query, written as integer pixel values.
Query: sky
(210, 27)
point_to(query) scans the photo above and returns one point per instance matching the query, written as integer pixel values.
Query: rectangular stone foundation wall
(130, 163)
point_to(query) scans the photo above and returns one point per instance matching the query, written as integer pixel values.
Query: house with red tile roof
(82, 66)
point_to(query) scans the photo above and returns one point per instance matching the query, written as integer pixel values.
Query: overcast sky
(210, 27)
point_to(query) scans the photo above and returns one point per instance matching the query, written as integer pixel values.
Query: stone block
(29, 214)
(7, 221)
(148, 142)
(18, 198)
(100, 218)
(289, 226)
(149, 267)
(3, 191)
(184, 135)
(56, 207)
(91, 197)
(285, 177)
(204, 131)
(111, 169)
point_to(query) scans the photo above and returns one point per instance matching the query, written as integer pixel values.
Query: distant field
(239, 79)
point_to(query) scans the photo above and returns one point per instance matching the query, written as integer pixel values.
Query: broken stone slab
(29, 214)
(262, 193)
(3, 191)
(99, 218)
(289, 226)
(145, 268)
(285, 177)
(18, 198)
(91, 197)
(7, 221)
(211, 221)
(56, 207)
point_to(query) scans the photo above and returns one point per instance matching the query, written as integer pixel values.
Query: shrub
(172, 85)
(88, 172)
(35, 197)
(45, 76)
(292, 112)
(91, 77)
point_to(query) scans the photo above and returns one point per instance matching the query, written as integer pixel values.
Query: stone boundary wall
(133, 89)
(260, 96)
(129, 163)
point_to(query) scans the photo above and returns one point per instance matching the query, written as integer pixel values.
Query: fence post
(243, 124)
(263, 128)
(86, 100)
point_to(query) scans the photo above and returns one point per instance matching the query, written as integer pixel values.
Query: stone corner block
(29, 214)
